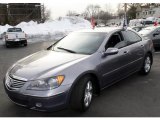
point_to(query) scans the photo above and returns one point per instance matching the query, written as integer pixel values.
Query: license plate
(16, 39)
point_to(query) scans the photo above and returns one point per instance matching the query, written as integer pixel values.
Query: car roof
(102, 29)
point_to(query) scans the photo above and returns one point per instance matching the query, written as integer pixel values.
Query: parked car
(138, 28)
(71, 70)
(15, 36)
(152, 33)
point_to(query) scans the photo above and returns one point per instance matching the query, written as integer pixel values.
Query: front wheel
(146, 65)
(82, 94)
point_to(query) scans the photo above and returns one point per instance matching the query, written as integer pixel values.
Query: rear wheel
(146, 65)
(7, 44)
(25, 43)
(82, 94)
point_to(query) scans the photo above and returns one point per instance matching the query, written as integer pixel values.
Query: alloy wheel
(147, 65)
(88, 94)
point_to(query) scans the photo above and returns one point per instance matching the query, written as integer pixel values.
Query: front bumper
(53, 103)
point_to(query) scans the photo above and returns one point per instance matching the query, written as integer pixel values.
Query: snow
(136, 22)
(50, 30)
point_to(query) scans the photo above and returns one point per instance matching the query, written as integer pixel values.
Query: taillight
(25, 35)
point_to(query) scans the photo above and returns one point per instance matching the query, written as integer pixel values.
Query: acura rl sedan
(72, 70)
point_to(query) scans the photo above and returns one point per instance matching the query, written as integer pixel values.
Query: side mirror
(110, 51)
(157, 33)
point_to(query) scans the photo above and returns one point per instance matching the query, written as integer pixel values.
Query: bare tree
(92, 10)
(71, 13)
(120, 10)
(85, 15)
(105, 16)
(107, 8)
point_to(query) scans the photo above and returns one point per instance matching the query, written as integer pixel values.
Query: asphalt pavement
(136, 96)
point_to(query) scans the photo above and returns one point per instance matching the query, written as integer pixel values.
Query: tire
(25, 44)
(82, 94)
(147, 64)
(7, 45)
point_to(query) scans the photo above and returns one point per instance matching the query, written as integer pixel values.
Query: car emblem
(17, 77)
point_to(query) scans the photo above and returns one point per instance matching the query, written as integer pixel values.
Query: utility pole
(125, 14)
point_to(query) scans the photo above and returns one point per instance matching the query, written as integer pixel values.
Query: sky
(61, 7)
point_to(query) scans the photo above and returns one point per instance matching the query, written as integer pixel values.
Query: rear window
(14, 30)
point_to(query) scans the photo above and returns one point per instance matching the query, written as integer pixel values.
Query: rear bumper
(16, 42)
(53, 103)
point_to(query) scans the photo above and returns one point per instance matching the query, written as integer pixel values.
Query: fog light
(38, 104)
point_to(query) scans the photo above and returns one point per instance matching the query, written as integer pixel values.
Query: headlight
(46, 84)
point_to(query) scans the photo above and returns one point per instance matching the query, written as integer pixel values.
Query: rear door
(136, 49)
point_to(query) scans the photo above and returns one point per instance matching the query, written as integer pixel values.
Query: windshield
(14, 30)
(80, 43)
(146, 31)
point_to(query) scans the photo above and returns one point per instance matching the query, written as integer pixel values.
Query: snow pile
(50, 30)
(136, 22)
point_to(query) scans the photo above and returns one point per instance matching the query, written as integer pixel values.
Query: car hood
(40, 63)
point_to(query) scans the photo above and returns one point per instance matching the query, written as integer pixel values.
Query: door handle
(125, 52)
(142, 45)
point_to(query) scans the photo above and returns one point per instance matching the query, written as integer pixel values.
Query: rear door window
(131, 37)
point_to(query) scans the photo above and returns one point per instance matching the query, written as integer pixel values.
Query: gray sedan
(152, 33)
(75, 68)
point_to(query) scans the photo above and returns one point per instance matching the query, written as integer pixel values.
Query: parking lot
(135, 96)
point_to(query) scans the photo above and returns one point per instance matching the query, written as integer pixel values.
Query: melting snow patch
(50, 30)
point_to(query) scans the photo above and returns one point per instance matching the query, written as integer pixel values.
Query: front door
(113, 67)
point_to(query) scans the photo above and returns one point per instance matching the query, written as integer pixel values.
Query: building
(143, 12)
(3, 15)
(14, 13)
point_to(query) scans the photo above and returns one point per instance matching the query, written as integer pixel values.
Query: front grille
(15, 83)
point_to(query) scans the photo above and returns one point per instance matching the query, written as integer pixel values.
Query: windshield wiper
(71, 51)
